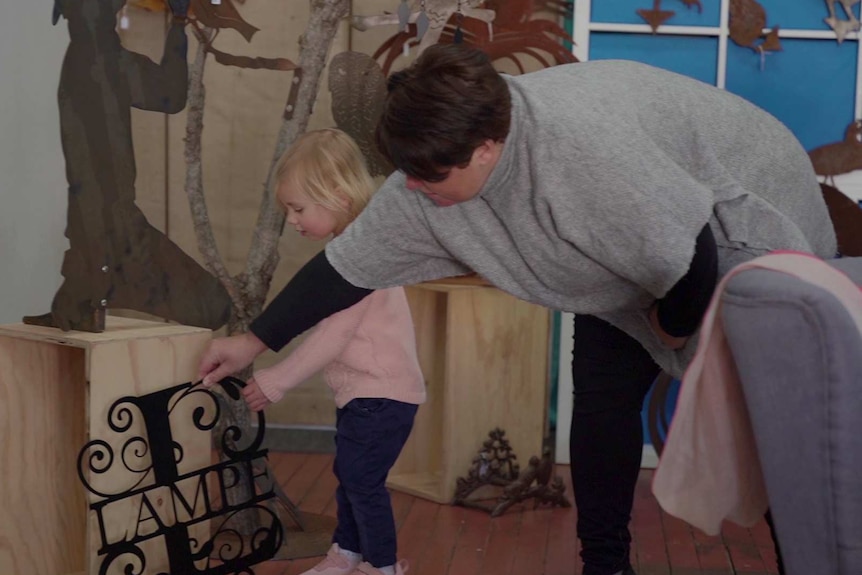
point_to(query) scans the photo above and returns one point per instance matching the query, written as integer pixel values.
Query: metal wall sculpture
(358, 81)
(842, 26)
(516, 33)
(149, 469)
(495, 469)
(746, 23)
(428, 18)
(655, 16)
(116, 258)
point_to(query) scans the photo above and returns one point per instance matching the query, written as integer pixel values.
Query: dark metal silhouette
(116, 259)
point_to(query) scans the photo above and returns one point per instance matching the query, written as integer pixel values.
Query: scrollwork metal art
(495, 465)
(149, 463)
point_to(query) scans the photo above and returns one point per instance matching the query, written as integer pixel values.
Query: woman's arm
(315, 292)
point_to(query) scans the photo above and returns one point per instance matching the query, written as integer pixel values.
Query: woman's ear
(486, 152)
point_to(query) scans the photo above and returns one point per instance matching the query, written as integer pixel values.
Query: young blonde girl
(367, 353)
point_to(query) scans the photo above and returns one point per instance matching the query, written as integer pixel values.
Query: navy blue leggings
(368, 438)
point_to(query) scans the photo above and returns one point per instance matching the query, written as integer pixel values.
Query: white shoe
(335, 563)
(366, 568)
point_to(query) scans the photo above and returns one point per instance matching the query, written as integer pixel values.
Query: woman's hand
(254, 397)
(668, 340)
(227, 355)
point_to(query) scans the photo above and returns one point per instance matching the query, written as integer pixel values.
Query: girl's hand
(254, 397)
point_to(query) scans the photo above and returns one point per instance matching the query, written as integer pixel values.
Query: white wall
(32, 170)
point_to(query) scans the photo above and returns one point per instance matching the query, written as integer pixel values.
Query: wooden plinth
(55, 392)
(484, 355)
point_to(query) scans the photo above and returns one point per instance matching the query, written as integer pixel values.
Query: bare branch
(280, 64)
(194, 173)
(262, 258)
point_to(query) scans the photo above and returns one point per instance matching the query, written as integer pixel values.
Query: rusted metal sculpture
(655, 17)
(747, 21)
(842, 27)
(495, 466)
(534, 483)
(116, 259)
(516, 34)
(431, 16)
(838, 158)
(358, 89)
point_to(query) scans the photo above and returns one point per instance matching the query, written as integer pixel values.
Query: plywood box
(484, 355)
(56, 390)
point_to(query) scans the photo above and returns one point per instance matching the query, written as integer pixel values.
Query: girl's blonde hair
(328, 167)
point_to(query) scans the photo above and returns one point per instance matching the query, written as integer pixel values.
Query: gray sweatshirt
(608, 174)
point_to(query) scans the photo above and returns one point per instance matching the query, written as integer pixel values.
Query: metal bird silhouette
(842, 157)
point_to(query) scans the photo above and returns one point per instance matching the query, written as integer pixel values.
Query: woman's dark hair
(440, 109)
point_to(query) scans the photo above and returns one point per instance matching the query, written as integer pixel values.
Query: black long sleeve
(682, 308)
(316, 292)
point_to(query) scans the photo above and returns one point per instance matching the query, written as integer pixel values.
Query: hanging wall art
(840, 26)
(839, 158)
(428, 17)
(655, 16)
(747, 22)
(516, 33)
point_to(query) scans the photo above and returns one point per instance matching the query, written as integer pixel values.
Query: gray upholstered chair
(799, 357)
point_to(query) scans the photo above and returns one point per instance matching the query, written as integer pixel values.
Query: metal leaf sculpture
(842, 157)
(840, 26)
(116, 258)
(516, 33)
(358, 89)
(747, 21)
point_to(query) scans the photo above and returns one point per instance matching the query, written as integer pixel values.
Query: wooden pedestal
(55, 392)
(484, 355)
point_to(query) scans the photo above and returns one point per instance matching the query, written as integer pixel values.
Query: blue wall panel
(692, 56)
(810, 86)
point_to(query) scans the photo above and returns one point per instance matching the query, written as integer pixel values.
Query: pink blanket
(709, 470)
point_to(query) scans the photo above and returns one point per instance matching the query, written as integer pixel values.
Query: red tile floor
(445, 540)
